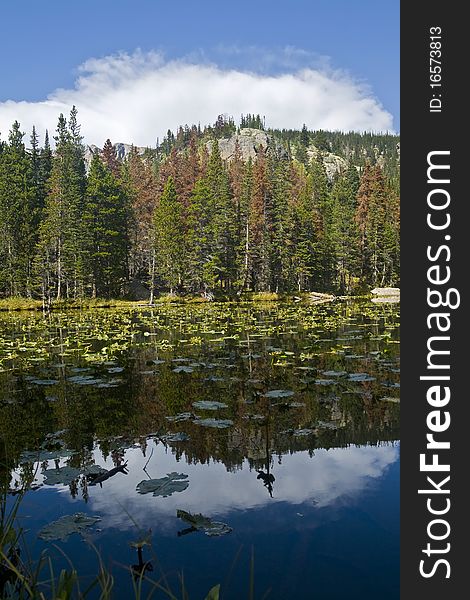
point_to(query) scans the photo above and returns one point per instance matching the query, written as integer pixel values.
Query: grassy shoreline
(30, 304)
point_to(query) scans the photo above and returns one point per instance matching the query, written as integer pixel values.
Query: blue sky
(48, 41)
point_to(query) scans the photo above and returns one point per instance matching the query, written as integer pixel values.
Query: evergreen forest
(181, 219)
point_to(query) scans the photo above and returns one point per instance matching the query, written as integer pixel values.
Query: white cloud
(137, 98)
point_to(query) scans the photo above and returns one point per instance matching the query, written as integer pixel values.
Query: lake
(247, 445)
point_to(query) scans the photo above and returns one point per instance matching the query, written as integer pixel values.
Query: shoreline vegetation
(28, 304)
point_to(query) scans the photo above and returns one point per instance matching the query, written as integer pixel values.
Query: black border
(422, 132)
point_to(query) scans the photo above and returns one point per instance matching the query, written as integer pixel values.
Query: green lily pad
(31, 457)
(183, 369)
(180, 417)
(175, 437)
(209, 405)
(278, 394)
(66, 526)
(165, 486)
(360, 377)
(327, 425)
(202, 523)
(325, 382)
(303, 432)
(85, 380)
(216, 423)
(334, 373)
(64, 475)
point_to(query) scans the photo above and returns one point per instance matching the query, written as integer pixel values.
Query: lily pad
(175, 437)
(85, 380)
(66, 526)
(217, 423)
(165, 486)
(183, 369)
(205, 524)
(325, 382)
(254, 417)
(360, 377)
(303, 432)
(43, 455)
(327, 425)
(278, 394)
(334, 373)
(64, 475)
(180, 417)
(209, 405)
(390, 399)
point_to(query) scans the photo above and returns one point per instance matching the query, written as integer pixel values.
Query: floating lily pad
(327, 425)
(94, 470)
(44, 381)
(66, 526)
(360, 377)
(116, 370)
(205, 524)
(44, 455)
(303, 432)
(325, 382)
(183, 369)
(217, 423)
(165, 486)
(390, 399)
(175, 437)
(85, 380)
(209, 405)
(278, 394)
(334, 373)
(255, 417)
(180, 417)
(64, 475)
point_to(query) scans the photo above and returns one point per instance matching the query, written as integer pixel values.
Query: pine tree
(106, 225)
(344, 229)
(17, 196)
(141, 187)
(378, 222)
(169, 237)
(60, 261)
(304, 236)
(222, 262)
(325, 271)
(109, 158)
(259, 274)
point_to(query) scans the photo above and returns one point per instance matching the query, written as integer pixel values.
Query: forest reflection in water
(275, 421)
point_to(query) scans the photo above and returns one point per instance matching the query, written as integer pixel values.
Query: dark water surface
(299, 458)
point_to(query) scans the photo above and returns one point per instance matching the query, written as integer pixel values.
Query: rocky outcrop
(250, 141)
(333, 163)
(122, 151)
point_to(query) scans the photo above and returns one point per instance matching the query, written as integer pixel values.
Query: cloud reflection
(340, 474)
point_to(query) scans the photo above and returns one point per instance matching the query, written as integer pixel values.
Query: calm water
(299, 458)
